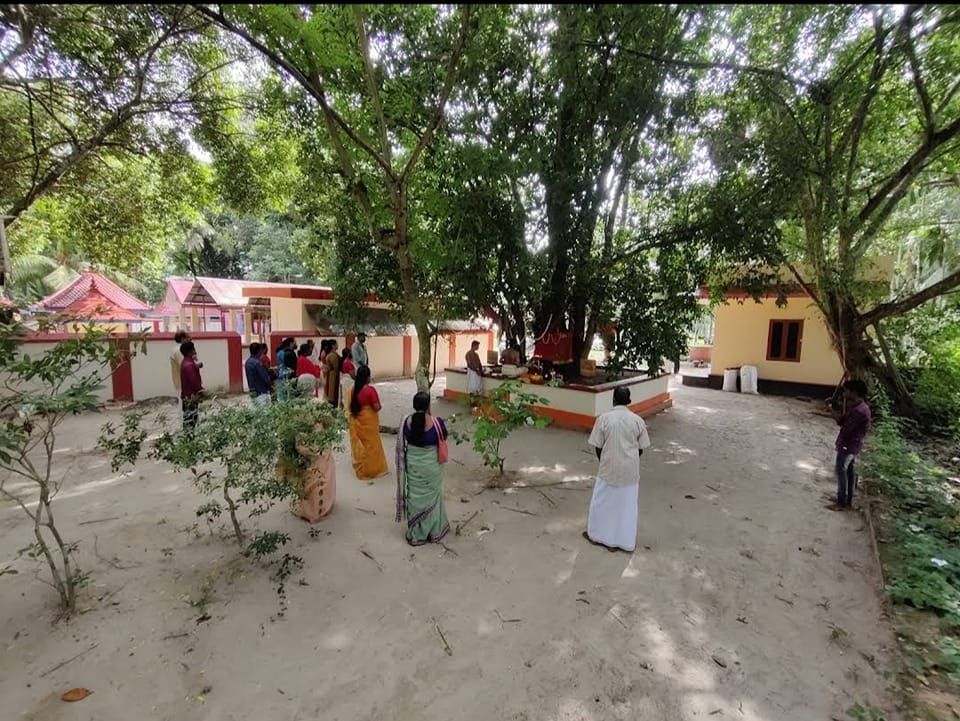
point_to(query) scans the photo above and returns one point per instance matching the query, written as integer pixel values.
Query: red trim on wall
(582, 421)
(122, 371)
(235, 364)
(407, 355)
(56, 337)
(287, 292)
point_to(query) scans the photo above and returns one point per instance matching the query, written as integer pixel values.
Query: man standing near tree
(191, 386)
(619, 437)
(854, 424)
(474, 370)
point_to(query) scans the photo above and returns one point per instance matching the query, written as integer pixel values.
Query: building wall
(146, 373)
(386, 356)
(290, 314)
(35, 348)
(152, 373)
(741, 334)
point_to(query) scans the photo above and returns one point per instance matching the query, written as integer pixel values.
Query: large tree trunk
(858, 354)
(416, 313)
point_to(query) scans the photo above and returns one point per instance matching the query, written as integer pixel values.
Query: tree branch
(372, 84)
(312, 84)
(701, 64)
(899, 307)
(907, 172)
(854, 131)
(451, 76)
(929, 121)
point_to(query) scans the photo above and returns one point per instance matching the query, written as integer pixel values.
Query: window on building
(784, 340)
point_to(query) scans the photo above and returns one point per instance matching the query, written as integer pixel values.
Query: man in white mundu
(474, 370)
(619, 437)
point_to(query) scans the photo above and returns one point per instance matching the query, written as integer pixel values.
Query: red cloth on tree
(556, 346)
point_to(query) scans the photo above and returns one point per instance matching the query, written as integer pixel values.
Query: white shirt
(176, 358)
(620, 434)
(359, 351)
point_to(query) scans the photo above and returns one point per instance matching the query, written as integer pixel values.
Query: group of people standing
(297, 373)
(340, 378)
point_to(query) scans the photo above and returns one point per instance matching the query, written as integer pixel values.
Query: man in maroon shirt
(854, 424)
(191, 386)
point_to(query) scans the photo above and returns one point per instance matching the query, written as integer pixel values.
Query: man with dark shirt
(191, 386)
(854, 424)
(258, 377)
(474, 370)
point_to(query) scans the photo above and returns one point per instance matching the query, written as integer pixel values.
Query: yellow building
(789, 346)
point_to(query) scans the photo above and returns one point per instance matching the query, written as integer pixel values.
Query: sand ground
(746, 599)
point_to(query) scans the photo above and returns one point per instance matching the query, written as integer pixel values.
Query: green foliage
(507, 408)
(948, 660)
(849, 113)
(230, 245)
(937, 389)
(85, 83)
(40, 392)
(865, 713)
(922, 525)
(248, 455)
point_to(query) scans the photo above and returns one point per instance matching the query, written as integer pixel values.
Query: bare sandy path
(747, 601)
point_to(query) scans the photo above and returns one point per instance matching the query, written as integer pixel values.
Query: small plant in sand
(40, 390)
(507, 408)
(239, 456)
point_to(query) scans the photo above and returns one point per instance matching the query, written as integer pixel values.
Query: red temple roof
(90, 290)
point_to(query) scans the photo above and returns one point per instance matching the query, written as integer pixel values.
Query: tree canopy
(571, 167)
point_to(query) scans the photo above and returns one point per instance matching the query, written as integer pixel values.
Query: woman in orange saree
(331, 388)
(366, 447)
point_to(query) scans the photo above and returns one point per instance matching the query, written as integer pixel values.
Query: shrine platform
(576, 405)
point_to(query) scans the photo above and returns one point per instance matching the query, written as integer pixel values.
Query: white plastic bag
(749, 379)
(730, 379)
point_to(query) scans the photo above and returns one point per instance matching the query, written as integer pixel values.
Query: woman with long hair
(421, 446)
(366, 447)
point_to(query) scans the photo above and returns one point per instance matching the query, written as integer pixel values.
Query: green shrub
(920, 529)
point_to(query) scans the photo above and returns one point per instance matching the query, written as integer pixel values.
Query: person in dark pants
(191, 386)
(854, 423)
(258, 377)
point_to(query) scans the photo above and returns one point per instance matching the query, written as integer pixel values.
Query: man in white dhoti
(619, 437)
(474, 370)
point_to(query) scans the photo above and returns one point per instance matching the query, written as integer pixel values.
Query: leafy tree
(379, 79)
(854, 106)
(41, 392)
(599, 107)
(123, 221)
(229, 245)
(84, 82)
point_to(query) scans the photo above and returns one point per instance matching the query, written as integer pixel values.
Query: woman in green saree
(420, 474)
